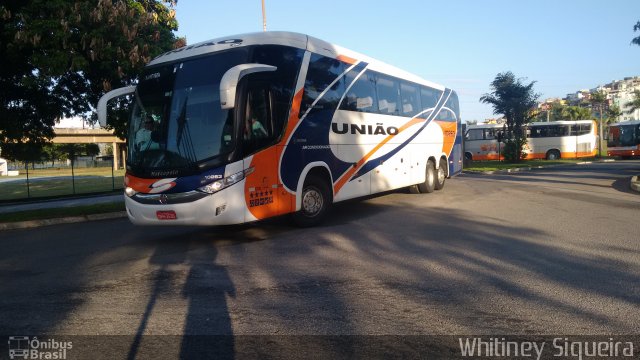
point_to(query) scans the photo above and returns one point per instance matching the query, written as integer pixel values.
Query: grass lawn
(41, 214)
(497, 165)
(58, 182)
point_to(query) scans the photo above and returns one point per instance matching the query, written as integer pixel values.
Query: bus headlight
(223, 183)
(129, 191)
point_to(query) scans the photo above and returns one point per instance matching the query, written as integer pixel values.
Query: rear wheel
(316, 200)
(553, 155)
(429, 183)
(441, 174)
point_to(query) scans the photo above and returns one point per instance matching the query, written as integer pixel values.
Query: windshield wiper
(188, 148)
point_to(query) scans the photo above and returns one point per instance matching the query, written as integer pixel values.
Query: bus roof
(559, 122)
(628, 122)
(292, 39)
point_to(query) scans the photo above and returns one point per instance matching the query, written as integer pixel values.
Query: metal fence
(48, 180)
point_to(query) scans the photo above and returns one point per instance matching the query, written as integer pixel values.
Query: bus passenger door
(264, 193)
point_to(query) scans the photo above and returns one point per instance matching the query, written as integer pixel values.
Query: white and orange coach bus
(624, 139)
(252, 126)
(545, 140)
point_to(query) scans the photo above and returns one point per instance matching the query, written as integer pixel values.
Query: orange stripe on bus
(139, 184)
(347, 59)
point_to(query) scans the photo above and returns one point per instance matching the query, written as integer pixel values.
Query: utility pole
(264, 18)
(601, 133)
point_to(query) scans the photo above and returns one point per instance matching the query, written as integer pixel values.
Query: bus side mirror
(499, 137)
(102, 103)
(230, 79)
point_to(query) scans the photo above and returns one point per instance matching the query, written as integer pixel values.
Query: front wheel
(429, 184)
(316, 200)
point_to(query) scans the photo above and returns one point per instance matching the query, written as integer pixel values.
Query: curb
(634, 184)
(58, 221)
(529, 168)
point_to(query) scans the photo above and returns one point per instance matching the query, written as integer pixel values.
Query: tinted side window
(361, 96)
(410, 99)
(474, 134)
(388, 91)
(429, 97)
(452, 104)
(282, 82)
(323, 71)
(491, 134)
(539, 131)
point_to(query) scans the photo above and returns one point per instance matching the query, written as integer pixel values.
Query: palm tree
(575, 113)
(634, 104)
(599, 98)
(515, 100)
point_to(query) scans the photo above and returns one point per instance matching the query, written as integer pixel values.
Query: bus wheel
(315, 202)
(429, 183)
(441, 174)
(553, 155)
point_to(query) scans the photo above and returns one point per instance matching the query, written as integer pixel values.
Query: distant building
(619, 93)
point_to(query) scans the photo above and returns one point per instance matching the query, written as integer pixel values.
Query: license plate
(166, 215)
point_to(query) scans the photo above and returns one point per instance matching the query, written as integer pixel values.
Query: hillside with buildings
(618, 93)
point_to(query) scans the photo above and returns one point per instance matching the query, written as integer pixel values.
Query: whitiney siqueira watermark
(560, 347)
(25, 347)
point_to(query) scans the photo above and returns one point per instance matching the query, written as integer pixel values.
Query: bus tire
(316, 200)
(553, 155)
(441, 174)
(429, 184)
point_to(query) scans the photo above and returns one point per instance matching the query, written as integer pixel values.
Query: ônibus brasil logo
(24, 347)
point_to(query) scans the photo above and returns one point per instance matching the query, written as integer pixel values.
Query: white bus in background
(252, 126)
(624, 139)
(545, 140)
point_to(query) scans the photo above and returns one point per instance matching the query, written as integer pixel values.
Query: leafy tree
(636, 40)
(514, 100)
(91, 150)
(613, 114)
(52, 152)
(59, 56)
(634, 104)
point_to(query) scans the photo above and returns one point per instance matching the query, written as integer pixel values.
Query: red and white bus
(545, 140)
(252, 126)
(624, 139)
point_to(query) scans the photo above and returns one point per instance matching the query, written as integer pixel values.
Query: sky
(563, 45)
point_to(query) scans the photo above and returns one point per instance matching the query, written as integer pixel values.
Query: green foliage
(636, 40)
(511, 149)
(635, 103)
(613, 114)
(59, 56)
(516, 101)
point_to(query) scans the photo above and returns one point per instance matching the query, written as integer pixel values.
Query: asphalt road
(552, 251)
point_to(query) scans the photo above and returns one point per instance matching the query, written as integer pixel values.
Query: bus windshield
(626, 135)
(177, 120)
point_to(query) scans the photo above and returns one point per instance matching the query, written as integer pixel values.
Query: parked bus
(252, 126)
(545, 140)
(624, 139)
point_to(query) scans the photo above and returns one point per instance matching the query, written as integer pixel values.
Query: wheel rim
(312, 202)
(430, 177)
(440, 175)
